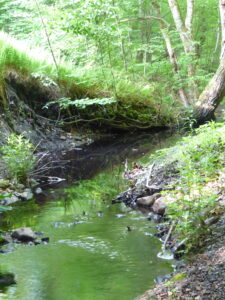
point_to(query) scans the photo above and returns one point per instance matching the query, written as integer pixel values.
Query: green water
(91, 254)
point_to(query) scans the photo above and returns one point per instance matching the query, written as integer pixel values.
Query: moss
(179, 276)
(169, 283)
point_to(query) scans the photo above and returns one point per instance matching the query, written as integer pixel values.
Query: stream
(91, 254)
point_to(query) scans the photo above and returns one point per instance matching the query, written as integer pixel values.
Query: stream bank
(184, 188)
(147, 193)
(203, 277)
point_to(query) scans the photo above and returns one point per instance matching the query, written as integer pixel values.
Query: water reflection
(91, 254)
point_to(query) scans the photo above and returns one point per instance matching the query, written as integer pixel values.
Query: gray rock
(38, 190)
(24, 234)
(6, 239)
(148, 200)
(27, 194)
(63, 137)
(212, 220)
(33, 182)
(9, 200)
(20, 186)
(4, 183)
(159, 206)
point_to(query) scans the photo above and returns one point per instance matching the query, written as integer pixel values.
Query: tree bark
(215, 90)
(185, 34)
(172, 54)
(184, 30)
(222, 20)
(173, 60)
(189, 16)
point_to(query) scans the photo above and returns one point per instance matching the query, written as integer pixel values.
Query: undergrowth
(137, 100)
(18, 157)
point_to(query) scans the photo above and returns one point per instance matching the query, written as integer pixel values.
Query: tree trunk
(184, 29)
(222, 20)
(173, 60)
(171, 53)
(215, 90)
(185, 33)
(211, 96)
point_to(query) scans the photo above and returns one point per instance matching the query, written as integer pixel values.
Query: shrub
(18, 157)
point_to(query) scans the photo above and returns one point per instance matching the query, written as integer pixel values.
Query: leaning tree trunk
(211, 96)
(215, 90)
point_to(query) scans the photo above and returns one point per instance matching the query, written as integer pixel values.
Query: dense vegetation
(199, 158)
(132, 51)
(70, 68)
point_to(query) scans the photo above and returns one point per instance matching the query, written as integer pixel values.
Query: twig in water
(150, 173)
(167, 237)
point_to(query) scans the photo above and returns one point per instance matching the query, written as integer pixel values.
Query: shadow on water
(6, 280)
(91, 255)
(84, 163)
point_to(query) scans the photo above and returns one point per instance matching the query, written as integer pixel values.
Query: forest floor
(203, 278)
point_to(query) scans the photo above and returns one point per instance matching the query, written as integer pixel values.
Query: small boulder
(20, 186)
(38, 190)
(27, 194)
(159, 206)
(24, 234)
(148, 200)
(212, 220)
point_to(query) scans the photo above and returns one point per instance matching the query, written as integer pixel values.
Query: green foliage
(179, 276)
(110, 58)
(2, 207)
(199, 158)
(17, 154)
(139, 96)
(64, 103)
(90, 35)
